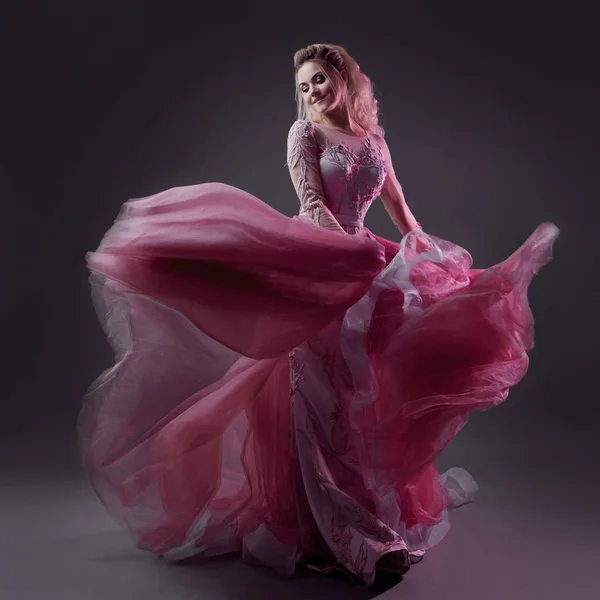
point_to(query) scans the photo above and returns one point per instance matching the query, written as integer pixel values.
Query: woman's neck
(340, 119)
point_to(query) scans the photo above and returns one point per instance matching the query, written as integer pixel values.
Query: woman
(283, 387)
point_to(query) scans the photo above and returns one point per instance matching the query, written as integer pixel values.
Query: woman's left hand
(423, 244)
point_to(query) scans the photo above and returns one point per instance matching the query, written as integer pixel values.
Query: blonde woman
(283, 386)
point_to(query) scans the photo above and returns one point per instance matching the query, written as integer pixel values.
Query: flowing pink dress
(282, 390)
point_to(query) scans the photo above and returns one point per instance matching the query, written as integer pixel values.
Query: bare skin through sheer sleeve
(393, 199)
(302, 161)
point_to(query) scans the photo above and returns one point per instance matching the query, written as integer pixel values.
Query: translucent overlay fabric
(284, 390)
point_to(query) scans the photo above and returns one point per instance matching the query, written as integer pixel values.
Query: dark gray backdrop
(491, 117)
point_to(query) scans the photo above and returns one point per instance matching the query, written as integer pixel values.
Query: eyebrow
(300, 83)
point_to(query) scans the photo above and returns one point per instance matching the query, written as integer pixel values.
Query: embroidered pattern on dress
(359, 167)
(296, 373)
(363, 172)
(346, 521)
(302, 159)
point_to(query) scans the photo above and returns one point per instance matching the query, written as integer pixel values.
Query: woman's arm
(303, 164)
(393, 197)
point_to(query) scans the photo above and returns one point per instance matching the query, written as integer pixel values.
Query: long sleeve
(302, 161)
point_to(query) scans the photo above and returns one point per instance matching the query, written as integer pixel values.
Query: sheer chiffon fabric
(284, 391)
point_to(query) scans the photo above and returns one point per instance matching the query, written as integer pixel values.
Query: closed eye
(318, 77)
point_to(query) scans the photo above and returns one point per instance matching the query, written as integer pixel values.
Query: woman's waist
(348, 220)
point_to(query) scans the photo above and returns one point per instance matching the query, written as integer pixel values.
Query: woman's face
(317, 92)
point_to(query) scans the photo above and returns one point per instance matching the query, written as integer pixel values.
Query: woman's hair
(345, 75)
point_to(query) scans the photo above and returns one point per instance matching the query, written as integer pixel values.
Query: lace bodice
(335, 174)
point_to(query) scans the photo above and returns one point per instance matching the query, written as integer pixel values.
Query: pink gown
(284, 391)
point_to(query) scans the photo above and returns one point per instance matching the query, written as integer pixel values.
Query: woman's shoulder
(301, 128)
(378, 137)
(379, 140)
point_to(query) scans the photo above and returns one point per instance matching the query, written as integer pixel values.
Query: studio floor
(532, 533)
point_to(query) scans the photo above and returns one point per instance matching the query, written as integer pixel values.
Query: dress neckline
(351, 135)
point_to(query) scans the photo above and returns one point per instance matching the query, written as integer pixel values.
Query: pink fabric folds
(458, 344)
(239, 270)
(283, 390)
